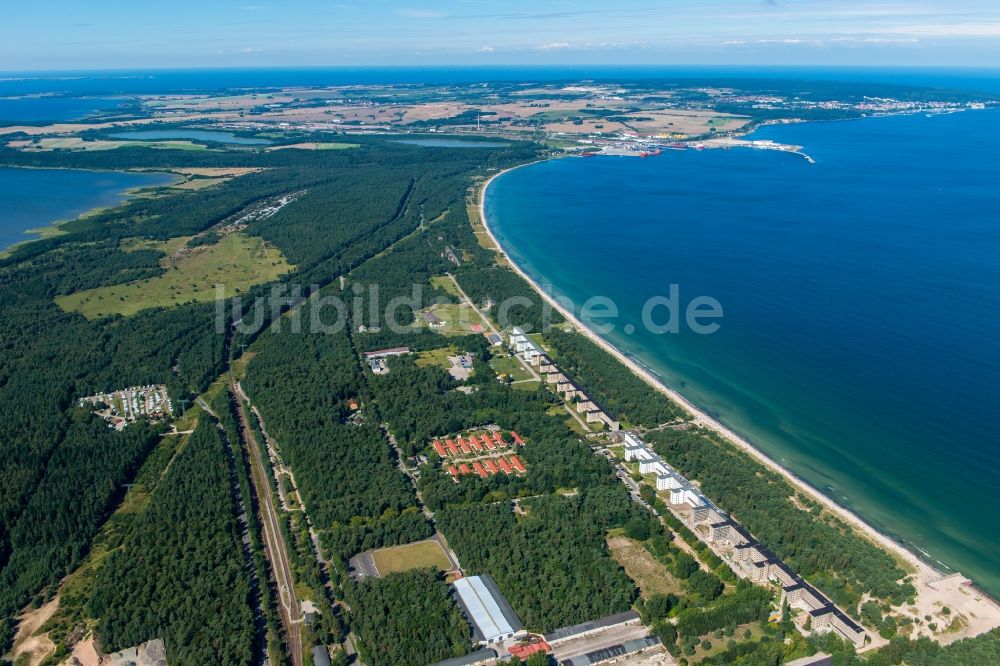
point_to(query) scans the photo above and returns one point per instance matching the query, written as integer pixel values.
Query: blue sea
(33, 198)
(861, 300)
(861, 293)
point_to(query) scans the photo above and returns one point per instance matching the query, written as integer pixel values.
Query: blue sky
(73, 34)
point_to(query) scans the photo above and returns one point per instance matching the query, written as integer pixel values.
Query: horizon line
(430, 66)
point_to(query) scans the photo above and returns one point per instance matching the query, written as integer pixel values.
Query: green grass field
(508, 365)
(438, 357)
(236, 261)
(411, 556)
(530, 385)
(445, 283)
(458, 319)
(76, 143)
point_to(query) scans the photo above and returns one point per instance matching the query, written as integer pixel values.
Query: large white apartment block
(655, 466)
(668, 482)
(640, 453)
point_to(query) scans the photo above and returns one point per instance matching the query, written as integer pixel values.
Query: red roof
(505, 466)
(440, 449)
(488, 443)
(516, 462)
(452, 470)
(497, 437)
(492, 466)
(465, 446)
(522, 651)
(465, 469)
(479, 469)
(517, 438)
(475, 445)
(485, 438)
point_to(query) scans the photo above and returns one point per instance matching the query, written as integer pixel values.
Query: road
(274, 540)
(535, 377)
(489, 324)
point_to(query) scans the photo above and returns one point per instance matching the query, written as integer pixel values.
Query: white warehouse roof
(482, 604)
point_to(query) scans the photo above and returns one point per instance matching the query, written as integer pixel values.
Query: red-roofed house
(516, 462)
(505, 466)
(517, 438)
(440, 449)
(480, 470)
(492, 466)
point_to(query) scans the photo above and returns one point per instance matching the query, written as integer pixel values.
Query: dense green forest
(356, 496)
(84, 478)
(407, 618)
(820, 547)
(610, 383)
(383, 217)
(363, 200)
(552, 564)
(180, 574)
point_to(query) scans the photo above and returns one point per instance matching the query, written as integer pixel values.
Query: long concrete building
(746, 555)
(565, 387)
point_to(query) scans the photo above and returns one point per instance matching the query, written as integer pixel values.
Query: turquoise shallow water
(861, 298)
(33, 198)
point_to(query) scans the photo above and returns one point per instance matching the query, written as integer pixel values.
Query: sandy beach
(934, 588)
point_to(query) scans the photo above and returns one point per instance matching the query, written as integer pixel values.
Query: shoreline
(55, 227)
(923, 574)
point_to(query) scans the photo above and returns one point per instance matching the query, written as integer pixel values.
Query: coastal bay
(827, 361)
(32, 199)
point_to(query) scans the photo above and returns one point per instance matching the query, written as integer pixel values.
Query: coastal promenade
(935, 589)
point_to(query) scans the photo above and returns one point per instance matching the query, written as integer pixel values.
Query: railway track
(274, 540)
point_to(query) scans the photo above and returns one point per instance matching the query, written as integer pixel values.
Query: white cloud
(485, 49)
(553, 46)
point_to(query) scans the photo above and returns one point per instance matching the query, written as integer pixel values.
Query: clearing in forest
(640, 565)
(237, 261)
(419, 555)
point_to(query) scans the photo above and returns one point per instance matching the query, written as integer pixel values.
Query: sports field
(411, 556)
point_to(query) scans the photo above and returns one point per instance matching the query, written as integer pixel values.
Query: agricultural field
(419, 555)
(237, 261)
